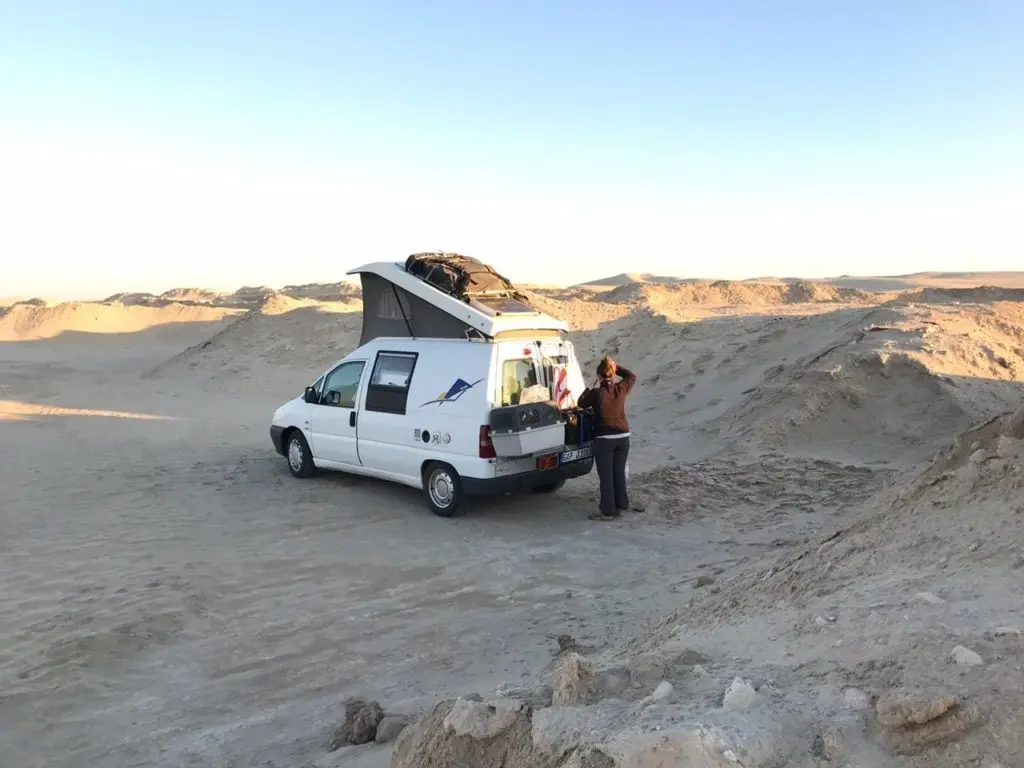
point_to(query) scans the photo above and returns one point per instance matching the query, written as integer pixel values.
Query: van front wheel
(300, 458)
(442, 488)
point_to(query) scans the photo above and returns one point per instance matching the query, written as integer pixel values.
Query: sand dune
(132, 299)
(866, 385)
(23, 322)
(876, 284)
(33, 302)
(932, 280)
(830, 464)
(192, 296)
(341, 291)
(284, 340)
(626, 278)
(969, 493)
(727, 293)
(173, 296)
(884, 596)
(964, 295)
(888, 387)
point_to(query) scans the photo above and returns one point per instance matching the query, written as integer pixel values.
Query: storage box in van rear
(521, 430)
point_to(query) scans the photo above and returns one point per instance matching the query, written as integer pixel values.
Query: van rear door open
(518, 369)
(562, 370)
(525, 362)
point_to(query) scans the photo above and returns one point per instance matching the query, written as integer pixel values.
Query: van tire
(442, 488)
(297, 454)
(548, 487)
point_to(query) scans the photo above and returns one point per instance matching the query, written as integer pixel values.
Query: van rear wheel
(442, 488)
(548, 487)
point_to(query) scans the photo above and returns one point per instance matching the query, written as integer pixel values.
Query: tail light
(486, 446)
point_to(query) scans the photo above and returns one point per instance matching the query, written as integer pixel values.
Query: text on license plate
(577, 454)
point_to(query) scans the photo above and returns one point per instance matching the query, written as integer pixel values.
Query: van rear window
(393, 370)
(516, 375)
(388, 390)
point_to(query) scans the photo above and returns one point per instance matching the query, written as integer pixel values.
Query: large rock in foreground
(612, 734)
(573, 681)
(470, 733)
(629, 735)
(360, 726)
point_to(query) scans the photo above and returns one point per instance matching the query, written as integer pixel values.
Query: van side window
(516, 375)
(342, 385)
(388, 391)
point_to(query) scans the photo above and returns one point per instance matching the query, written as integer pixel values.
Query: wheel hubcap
(442, 488)
(295, 455)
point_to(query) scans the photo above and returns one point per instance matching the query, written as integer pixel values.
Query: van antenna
(401, 309)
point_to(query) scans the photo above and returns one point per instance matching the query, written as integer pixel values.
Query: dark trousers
(610, 456)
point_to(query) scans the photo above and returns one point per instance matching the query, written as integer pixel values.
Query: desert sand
(829, 485)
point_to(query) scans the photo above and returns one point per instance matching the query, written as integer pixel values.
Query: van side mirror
(310, 395)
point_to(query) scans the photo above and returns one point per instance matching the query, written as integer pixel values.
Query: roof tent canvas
(389, 310)
(399, 303)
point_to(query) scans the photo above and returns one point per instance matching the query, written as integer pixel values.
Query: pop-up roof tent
(446, 296)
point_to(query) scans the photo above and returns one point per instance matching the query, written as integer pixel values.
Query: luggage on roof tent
(456, 275)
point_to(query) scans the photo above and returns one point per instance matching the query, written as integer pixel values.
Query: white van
(428, 412)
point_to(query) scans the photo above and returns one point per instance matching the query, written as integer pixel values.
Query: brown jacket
(609, 403)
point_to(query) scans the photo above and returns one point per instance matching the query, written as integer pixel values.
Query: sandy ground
(172, 597)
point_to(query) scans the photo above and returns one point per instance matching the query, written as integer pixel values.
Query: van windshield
(516, 375)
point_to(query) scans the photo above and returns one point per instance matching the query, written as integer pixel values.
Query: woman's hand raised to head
(606, 367)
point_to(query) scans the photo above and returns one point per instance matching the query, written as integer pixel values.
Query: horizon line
(633, 277)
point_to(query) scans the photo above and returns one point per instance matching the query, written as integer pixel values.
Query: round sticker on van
(426, 436)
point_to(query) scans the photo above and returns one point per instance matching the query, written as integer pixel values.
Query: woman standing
(611, 434)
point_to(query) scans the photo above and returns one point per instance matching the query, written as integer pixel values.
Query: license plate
(577, 454)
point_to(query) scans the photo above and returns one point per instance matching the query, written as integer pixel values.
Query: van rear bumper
(524, 481)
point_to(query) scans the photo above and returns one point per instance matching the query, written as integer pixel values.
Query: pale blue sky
(154, 144)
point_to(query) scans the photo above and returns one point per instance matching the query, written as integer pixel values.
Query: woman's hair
(606, 368)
